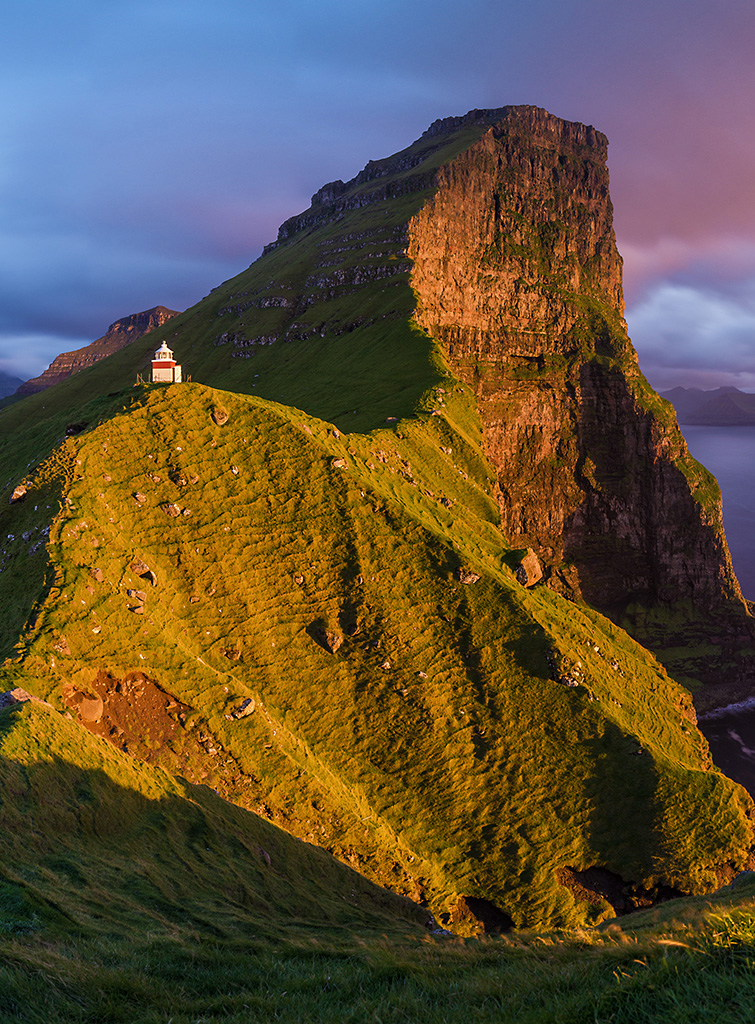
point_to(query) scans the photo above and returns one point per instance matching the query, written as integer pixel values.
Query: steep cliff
(516, 272)
(120, 333)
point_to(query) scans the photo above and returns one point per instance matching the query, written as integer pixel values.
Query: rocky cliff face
(517, 274)
(119, 334)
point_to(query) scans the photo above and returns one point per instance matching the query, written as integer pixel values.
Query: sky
(150, 148)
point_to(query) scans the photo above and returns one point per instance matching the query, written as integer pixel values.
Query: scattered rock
(386, 666)
(194, 479)
(339, 463)
(18, 494)
(298, 579)
(137, 595)
(90, 706)
(481, 914)
(246, 707)
(61, 646)
(235, 470)
(194, 599)
(233, 654)
(19, 696)
(137, 609)
(143, 570)
(219, 415)
(131, 712)
(171, 509)
(139, 497)
(96, 574)
(186, 512)
(467, 576)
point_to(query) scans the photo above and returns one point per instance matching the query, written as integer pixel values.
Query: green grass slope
(127, 895)
(435, 745)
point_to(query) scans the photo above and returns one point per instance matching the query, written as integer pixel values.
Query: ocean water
(729, 453)
(731, 737)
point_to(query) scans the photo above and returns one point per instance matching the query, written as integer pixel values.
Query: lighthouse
(165, 370)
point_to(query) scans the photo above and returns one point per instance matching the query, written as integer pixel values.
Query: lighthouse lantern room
(165, 370)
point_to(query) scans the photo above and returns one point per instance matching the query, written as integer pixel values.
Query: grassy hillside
(127, 895)
(425, 730)
(94, 842)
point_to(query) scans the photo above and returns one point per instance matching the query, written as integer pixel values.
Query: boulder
(246, 707)
(529, 571)
(326, 638)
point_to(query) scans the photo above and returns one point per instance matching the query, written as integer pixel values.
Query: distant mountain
(724, 407)
(118, 335)
(8, 384)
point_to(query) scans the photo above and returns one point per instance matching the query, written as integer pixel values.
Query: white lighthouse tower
(165, 370)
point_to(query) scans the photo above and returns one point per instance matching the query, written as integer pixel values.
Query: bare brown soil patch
(134, 713)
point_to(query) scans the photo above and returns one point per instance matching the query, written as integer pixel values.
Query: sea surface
(731, 737)
(729, 453)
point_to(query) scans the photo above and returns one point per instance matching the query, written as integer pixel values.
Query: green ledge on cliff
(417, 566)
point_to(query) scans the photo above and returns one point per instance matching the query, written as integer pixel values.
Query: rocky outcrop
(118, 335)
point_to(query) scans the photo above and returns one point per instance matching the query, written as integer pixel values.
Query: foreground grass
(696, 969)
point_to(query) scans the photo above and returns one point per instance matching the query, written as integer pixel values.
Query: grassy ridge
(434, 749)
(93, 842)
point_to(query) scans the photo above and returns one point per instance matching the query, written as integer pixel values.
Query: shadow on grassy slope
(92, 840)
